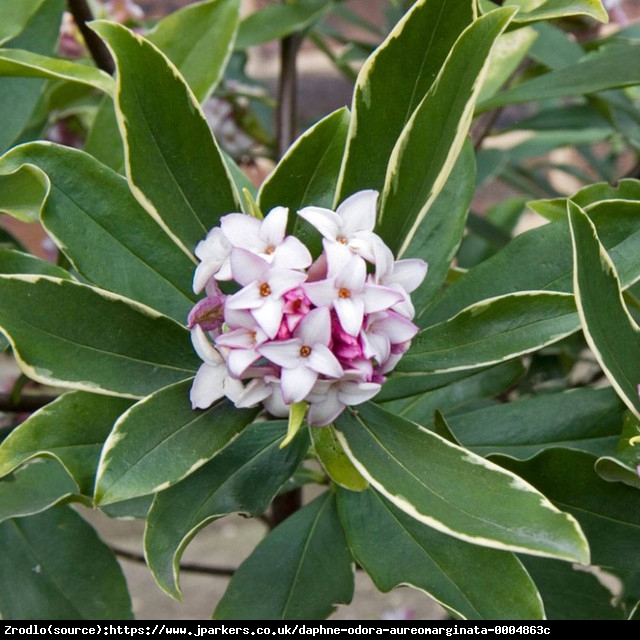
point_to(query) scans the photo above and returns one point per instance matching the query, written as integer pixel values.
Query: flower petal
(296, 383)
(315, 327)
(350, 312)
(358, 212)
(242, 230)
(323, 361)
(327, 222)
(269, 315)
(207, 386)
(274, 227)
(284, 353)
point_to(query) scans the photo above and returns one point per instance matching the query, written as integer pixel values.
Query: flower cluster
(324, 331)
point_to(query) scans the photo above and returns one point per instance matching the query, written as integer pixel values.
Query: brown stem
(284, 505)
(287, 90)
(25, 403)
(81, 13)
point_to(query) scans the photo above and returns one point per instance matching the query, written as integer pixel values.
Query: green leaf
(432, 139)
(556, 208)
(624, 465)
(108, 237)
(276, 21)
(608, 68)
(71, 429)
(22, 192)
(608, 512)
(34, 488)
(385, 98)
(20, 97)
(335, 461)
(608, 327)
(173, 163)
(437, 239)
(585, 419)
(554, 48)
(73, 335)
(569, 593)
(308, 172)
(546, 248)
(56, 568)
(136, 461)
(453, 490)
(12, 261)
(482, 384)
(298, 572)
(198, 39)
(533, 10)
(18, 63)
(103, 139)
(509, 52)
(243, 478)
(492, 331)
(498, 588)
(14, 17)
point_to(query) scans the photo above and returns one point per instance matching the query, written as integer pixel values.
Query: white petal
(327, 222)
(239, 360)
(325, 411)
(207, 352)
(377, 298)
(291, 254)
(283, 280)
(247, 298)
(409, 273)
(296, 383)
(352, 393)
(376, 345)
(321, 293)
(207, 386)
(274, 226)
(242, 230)
(358, 212)
(285, 353)
(248, 267)
(315, 327)
(350, 313)
(323, 361)
(353, 275)
(269, 315)
(255, 391)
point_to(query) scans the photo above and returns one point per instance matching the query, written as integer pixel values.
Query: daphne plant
(212, 360)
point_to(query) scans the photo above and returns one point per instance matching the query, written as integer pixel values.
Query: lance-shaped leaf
(453, 490)
(137, 460)
(34, 488)
(533, 10)
(492, 331)
(17, 262)
(541, 259)
(18, 63)
(624, 464)
(608, 327)
(198, 39)
(427, 149)
(110, 239)
(385, 98)
(585, 419)
(571, 594)
(243, 478)
(481, 384)
(497, 588)
(556, 208)
(298, 572)
(437, 239)
(307, 174)
(73, 335)
(20, 97)
(276, 21)
(54, 567)
(71, 430)
(173, 164)
(608, 512)
(608, 68)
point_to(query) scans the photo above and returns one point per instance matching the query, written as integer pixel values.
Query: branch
(81, 13)
(192, 567)
(25, 403)
(287, 89)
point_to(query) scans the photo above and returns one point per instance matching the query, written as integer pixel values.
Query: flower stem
(287, 89)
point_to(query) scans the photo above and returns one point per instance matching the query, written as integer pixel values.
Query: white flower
(351, 224)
